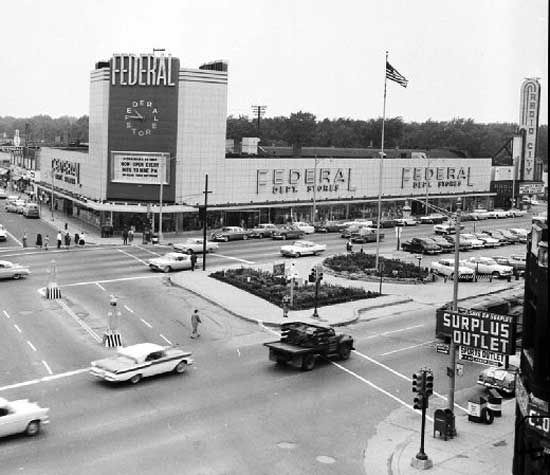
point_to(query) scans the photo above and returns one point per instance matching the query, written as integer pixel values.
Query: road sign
(442, 348)
(477, 355)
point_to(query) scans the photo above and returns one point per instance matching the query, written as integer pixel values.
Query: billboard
(487, 331)
(146, 168)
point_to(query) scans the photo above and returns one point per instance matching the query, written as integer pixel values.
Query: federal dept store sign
(436, 177)
(282, 181)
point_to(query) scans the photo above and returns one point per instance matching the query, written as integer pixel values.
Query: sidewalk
(249, 307)
(479, 449)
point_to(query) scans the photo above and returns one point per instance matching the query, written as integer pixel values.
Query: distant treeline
(302, 128)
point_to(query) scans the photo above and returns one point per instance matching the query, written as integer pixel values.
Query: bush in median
(274, 288)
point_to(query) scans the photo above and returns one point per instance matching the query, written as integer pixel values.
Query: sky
(463, 59)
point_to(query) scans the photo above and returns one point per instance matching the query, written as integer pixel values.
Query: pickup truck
(302, 343)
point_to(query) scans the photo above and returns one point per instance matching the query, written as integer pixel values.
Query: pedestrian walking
(131, 234)
(59, 239)
(24, 239)
(76, 239)
(82, 239)
(195, 320)
(46, 242)
(193, 261)
(349, 246)
(125, 236)
(67, 239)
(39, 240)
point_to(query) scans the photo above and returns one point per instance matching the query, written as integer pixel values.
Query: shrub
(273, 289)
(365, 263)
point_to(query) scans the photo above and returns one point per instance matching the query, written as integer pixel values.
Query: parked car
(476, 243)
(352, 229)
(287, 231)
(517, 262)
(195, 246)
(386, 223)
(132, 363)
(20, 206)
(480, 214)
(3, 194)
(334, 226)
(13, 205)
(540, 218)
(435, 218)
(517, 212)
(496, 234)
(262, 230)
(170, 261)
(488, 241)
(21, 416)
(10, 270)
(446, 268)
(31, 210)
(501, 213)
(501, 379)
(420, 246)
(463, 244)
(445, 245)
(488, 266)
(366, 234)
(302, 248)
(319, 227)
(304, 227)
(520, 233)
(446, 228)
(410, 221)
(510, 237)
(230, 233)
(3, 233)
(467, 216)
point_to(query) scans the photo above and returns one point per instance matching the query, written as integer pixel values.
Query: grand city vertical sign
(529, 123)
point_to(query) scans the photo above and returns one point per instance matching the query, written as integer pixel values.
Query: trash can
(155, 238)
(494, 402)
(444, 423)
(475, 408)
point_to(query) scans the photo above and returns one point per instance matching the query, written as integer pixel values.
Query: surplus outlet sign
(487, 331)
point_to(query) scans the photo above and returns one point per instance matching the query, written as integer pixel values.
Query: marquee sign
(140, 167)
(283, 181)
(436, 177)
(491, 332)
(529, 122)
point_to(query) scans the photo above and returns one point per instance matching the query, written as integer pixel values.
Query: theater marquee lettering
(436, 177)
(479, 329)
(282, 181)
(143, 70)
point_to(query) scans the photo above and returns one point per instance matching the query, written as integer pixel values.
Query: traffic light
(418, 402)
(429, 384)
(416, 383)
(320, 275)
(312, 275)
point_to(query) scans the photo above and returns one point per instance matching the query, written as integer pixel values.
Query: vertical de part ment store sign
(486, 331)
(146, 168)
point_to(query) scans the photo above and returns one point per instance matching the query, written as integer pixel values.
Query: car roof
(175, 254)
(140, 349)
(6, 262)
(299, 243)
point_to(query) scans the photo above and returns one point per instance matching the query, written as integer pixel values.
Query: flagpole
(380, 170)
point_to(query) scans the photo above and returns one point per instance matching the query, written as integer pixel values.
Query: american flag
(394, 75)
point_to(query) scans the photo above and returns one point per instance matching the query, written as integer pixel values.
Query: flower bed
(364, 264)
(273, 289)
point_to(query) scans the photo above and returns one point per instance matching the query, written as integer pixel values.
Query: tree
(300, 130)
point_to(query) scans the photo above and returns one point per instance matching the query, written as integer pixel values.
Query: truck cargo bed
(286, 348)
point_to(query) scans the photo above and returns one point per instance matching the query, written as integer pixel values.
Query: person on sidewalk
(125, 237)
(67, 239)
(24, 239)
(82, 240)
(39, 240)
(76, 239)
(59, 239)
(349, 246)
(193, 261)
(46, 242)
(195, 320)
(131, 234)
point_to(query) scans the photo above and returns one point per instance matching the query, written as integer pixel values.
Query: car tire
(166, 269)
(33, 428)
(225, 238)
(136, 378)
(16, 276)
(308, 362)
(260, 236)
(345, 352)
(190, 251)
(180, 367)
(495, 275)
(245, 237)
(298, 255)
(283, 237)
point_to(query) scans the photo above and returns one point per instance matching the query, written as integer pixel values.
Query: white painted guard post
(53, 292)
(112, 338)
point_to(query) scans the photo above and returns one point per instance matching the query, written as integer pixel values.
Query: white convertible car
(303, 248)
(21, 416)
(171, 261)
(10, 270)
(134, 362)
(194, 245)
(446, 268)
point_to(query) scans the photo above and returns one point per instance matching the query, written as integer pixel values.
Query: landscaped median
(360, 266)
(275, 289)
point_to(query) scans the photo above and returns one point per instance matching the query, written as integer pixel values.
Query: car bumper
(101, 374)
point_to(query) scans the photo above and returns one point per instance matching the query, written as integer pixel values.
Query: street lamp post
(314, 207)
(419, 259)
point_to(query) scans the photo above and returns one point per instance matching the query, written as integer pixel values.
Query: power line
(258, 112)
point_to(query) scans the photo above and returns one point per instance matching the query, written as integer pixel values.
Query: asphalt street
(233, 411)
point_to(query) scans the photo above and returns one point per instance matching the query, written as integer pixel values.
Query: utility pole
(258, 112)
(206, 191)
(427, 180)
(52, 196)
(314, 207)
(160, 208)
(452, 350)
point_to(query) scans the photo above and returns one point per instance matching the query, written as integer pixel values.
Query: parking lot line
(47, 367)
(6, 314)
(133, 257)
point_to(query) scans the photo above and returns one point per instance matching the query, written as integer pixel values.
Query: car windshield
(488, 260)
